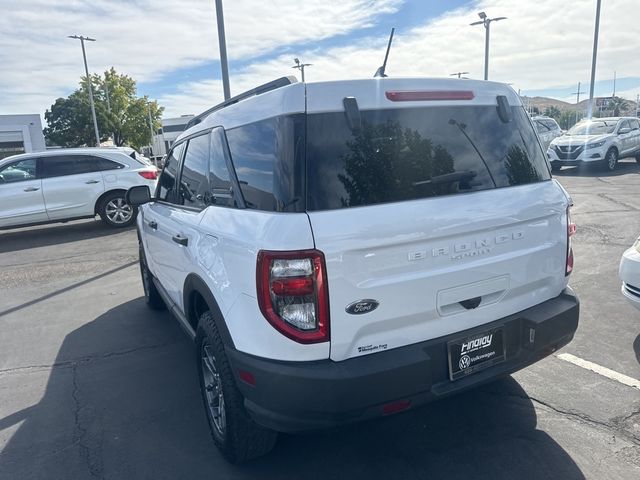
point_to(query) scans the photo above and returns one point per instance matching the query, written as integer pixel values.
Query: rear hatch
(435, 210)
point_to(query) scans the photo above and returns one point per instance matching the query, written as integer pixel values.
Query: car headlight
(595, 145)
(637, 245)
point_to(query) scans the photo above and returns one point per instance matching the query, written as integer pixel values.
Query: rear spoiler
(267, 87)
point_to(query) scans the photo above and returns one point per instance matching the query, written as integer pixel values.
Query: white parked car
(345, 250)
(547, 129)
(630, 274)
(68, 184)
(599, 141)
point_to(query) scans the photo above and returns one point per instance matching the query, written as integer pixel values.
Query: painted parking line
(604, 371)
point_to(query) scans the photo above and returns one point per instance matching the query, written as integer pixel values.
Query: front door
(21, 200)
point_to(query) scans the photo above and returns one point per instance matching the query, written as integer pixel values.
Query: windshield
(407, 154)
(593, 128)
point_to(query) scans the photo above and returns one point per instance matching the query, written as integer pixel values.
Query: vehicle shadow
(624, 167)
(54, 234)
(636, 348)
(122, 401)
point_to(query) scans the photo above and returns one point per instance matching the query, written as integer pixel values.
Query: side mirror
(138, 195)
(624, 130)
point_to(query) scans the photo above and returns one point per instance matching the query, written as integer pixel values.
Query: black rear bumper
(299, 396)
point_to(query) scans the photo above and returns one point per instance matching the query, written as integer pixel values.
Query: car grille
(569, 152)
(635, 291)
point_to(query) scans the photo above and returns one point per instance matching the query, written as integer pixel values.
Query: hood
(566, 140)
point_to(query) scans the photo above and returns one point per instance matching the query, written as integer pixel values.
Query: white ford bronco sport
(346, 250)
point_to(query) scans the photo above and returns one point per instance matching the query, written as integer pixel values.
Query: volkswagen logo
(464, 362)
(362, 306)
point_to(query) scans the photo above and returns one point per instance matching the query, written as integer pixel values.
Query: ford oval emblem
(362, 306)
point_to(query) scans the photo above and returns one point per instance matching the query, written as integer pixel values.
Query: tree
(121, 114)
(553, 112)
(617, 105)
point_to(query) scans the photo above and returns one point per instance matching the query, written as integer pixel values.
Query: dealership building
(20, 134)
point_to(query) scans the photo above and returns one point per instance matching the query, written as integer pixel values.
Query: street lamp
(486, 21)
(86, 70)
(593, 61)
(300, 66)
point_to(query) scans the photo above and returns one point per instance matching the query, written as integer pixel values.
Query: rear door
(71, 185)
(443, 216)
(172, 243)
(21, 199)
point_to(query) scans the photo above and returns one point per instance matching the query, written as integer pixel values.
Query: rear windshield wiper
(464, 175)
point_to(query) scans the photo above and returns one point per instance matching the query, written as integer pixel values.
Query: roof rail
(267, 87)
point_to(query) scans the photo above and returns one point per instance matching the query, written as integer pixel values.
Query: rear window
(408, 154)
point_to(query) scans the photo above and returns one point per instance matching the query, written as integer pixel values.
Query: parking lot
(95, 385)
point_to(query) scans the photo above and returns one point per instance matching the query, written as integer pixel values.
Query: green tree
(121, 114)
(553, 112)
(618, 105)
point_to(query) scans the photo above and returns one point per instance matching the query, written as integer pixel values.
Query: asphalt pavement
(95, 385)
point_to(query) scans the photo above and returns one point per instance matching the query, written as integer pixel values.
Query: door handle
(31, 189)
(153, 225)
(88, 182)
(180, 240)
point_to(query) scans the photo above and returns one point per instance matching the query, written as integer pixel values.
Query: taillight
(429, 95)
(149, 174)
(292, 293)
(571, 230)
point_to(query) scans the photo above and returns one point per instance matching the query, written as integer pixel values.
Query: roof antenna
(380, 71)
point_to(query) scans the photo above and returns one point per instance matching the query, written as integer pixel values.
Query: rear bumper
(299, 396)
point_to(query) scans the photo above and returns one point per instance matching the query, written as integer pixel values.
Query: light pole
(593, 60)
(577, 94)
(486, 21)
(86, 70)
(300, 66)
(222, 42)
(150, 128)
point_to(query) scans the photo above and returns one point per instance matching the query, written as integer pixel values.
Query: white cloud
(542, 44)
(151, 38)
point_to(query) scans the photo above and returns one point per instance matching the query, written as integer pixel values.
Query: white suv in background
(68, 184)
(547, 129)
(345, 250)
(599, 141)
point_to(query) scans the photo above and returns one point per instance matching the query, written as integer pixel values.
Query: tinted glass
(268, 159)
(541, 127)
(406, 154)
(624, 124)
(62, 165)
(18, 171)
(167, 181)
(193, 180)
(104, 164)
(219, 178)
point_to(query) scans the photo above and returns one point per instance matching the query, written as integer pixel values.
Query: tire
(555, 167)
(116, 212)
(151, 295)
(234, 432)
(610, 160)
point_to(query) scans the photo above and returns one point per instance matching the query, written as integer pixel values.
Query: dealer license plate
(474, 353)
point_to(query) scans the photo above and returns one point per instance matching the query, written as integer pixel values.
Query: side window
(194, 187)
(624, 124)
(635, 124)
(18, 171)
(219, 178)
(268, 157)
(63, 165)
(550, 124)
(167, 182)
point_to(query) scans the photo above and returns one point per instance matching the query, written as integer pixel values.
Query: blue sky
(170, 46)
